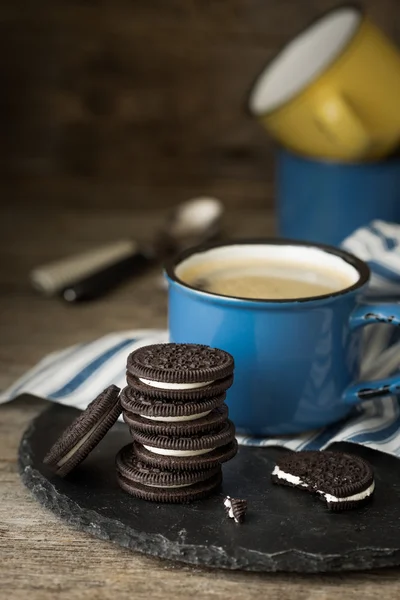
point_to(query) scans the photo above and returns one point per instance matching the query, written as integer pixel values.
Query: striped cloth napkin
(90, 367)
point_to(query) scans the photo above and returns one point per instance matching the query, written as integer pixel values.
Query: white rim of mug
(249, 98)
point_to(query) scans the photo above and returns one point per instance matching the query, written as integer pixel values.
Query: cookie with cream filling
(85, 432)
(180, 364)
(159, 485)
(185, 425)
(342, 480)
(166, 444)
(191, 461)
(185, 371)
(164, 409)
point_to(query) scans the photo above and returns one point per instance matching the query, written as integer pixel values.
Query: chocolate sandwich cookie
(187, 463)
(343, 481)
(85, 432)
(180, 364)
(183, 371)
(166, 409)
(152, 483)
(193, 445)
(177, 426)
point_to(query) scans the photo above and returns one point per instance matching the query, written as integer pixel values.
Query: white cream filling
(228, 505)
(175, 386)
(288, 477)
(176, 419)
(328, 497)
(64, 459)
(227, 502)
(167, 487)
(353, 498)
(168, 452)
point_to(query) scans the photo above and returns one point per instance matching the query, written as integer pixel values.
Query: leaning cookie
(158, 485)
(344, 481)
(85, 432)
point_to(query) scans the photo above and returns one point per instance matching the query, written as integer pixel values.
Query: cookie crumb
(235, 508)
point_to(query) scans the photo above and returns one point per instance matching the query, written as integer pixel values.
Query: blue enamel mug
(297, 361)
(324, 201)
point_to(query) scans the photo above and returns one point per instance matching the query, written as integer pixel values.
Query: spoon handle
(99, 283)
(51, 278)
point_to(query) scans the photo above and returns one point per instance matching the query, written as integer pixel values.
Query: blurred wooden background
(141, 102)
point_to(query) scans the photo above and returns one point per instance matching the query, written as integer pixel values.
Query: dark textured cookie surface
(192, 443)
(199, 490)
(85, 432)
(210, 422)
(342, 480)
(137, 472)
(213, 390)
(135, 402)
(180, 363)
(203, 461)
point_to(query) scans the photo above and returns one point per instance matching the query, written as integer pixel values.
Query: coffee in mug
(258, 273)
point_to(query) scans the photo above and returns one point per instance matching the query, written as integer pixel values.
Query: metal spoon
(191, 223)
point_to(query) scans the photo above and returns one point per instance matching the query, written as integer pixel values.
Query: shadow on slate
(285, 529)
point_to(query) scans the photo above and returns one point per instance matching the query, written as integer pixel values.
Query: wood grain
(103, 100)
(41, 558)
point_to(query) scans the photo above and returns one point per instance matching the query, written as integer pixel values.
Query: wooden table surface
(40, 557)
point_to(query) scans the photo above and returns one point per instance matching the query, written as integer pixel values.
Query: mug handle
(341, 124)
(366, 314)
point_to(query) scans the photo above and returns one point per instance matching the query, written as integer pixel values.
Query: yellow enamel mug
(333, 91)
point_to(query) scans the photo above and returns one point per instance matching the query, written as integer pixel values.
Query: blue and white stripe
(379, 245)
(74, 376)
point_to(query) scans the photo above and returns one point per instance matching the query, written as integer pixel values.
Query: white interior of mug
(303, 59)
(309, 262)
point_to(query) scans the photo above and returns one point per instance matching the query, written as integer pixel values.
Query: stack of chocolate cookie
(174, 406)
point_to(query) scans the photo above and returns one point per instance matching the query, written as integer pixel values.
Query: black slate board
(285, 530)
